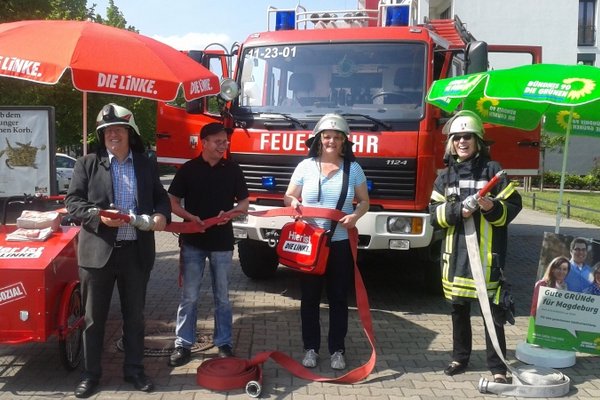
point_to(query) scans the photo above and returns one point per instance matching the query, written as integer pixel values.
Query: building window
(586, 59)
(587, 30)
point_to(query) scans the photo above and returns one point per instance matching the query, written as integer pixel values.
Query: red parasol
(102, 59)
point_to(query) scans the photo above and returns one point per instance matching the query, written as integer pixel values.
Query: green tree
(114, 17)
(552, 142)
(67, 100)
(69, 9)
(16, 10)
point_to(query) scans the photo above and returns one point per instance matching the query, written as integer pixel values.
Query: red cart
(39, 292)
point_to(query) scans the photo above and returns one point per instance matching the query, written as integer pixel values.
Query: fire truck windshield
(381, 80)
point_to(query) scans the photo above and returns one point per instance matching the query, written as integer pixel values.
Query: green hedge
(590, 181)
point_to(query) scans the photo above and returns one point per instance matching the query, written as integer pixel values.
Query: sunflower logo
(483, 105)
(597, 343)
(562, 118)
(582, 87)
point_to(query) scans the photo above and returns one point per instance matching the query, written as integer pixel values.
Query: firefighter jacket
(452, 186)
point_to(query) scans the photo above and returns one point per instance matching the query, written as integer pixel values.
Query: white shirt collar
(111, 156)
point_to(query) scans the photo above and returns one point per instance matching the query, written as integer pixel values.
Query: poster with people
(565, 307)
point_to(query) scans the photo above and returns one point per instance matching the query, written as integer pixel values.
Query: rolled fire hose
(528, 380)
(223, 374)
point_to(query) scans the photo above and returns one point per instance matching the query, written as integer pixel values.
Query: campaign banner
(561, 318)
(566, 320)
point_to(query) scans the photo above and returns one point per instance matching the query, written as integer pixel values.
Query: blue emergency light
(285, 20)
(397, 16)
(268, 182)
(369, 185)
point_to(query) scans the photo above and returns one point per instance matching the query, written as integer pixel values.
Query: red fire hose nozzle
(470, 203)
(143, 222)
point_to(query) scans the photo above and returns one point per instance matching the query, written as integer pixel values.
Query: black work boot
(180, 356)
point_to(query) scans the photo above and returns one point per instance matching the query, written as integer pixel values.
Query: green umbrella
(564, 97)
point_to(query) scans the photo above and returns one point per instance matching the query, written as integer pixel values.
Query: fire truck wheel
(69, 342)
(257, 259)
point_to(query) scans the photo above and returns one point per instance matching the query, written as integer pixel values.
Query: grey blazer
(91, 186)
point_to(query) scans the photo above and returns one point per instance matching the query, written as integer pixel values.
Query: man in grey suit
(117, 176)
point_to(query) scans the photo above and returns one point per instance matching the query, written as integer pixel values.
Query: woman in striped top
(317, 182)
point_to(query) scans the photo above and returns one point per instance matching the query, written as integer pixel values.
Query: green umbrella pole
(563, 173)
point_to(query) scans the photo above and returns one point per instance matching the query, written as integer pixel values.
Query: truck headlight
(412, 225)
(398, 225)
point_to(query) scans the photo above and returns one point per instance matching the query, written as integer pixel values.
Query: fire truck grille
(390, 179)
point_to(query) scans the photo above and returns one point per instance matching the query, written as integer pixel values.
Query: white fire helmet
(464, 121)
(330, 122)
(334, 122)
(113, 114)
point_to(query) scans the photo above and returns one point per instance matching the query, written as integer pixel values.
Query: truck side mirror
(195, 106)
(476, 57)
(196, 55)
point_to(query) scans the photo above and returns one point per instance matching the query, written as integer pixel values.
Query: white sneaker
(311, 358)
(337, 360)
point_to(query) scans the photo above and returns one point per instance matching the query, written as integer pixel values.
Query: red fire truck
(372, 65)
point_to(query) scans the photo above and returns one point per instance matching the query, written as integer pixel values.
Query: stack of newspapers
(35, 226)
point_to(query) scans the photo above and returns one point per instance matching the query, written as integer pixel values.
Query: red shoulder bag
(305, 247)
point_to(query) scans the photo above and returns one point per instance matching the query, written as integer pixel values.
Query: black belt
(124, 243)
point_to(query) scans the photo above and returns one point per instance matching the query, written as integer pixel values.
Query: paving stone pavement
(412, 329)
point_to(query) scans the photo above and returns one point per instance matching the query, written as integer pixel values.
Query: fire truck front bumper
(389, 230)
(378, 230)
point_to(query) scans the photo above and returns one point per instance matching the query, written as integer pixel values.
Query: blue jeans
(193, 261)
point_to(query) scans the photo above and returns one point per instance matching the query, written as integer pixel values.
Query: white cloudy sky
(192, 24)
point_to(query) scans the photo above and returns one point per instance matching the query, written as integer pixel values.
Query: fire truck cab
(374, 67)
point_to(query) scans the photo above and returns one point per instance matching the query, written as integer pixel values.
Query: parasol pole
(84, 122)
(563, 172)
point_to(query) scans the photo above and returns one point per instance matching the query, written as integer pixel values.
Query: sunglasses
(466, 136)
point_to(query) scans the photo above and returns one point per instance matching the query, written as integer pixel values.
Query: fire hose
(234, 373)
(144, 222)
(528, 381)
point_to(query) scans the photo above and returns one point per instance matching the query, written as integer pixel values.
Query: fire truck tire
(257, 259)
(70, 339)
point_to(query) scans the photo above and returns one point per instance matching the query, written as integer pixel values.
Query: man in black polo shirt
(209, 186)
